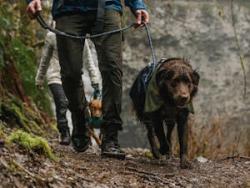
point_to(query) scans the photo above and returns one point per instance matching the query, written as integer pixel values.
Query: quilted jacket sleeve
(45, 59)
(90, 65)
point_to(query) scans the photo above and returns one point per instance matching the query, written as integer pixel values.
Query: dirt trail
(90, 170)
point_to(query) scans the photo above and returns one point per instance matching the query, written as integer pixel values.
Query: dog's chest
(169, 113)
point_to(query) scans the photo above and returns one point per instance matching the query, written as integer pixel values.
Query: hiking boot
(64, 137)
(80, 138)
(110, 146)
(81, 142)
(112, 150)
(80, 135)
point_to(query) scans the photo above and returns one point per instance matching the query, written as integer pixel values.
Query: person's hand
(97, 91)
(142, 17)
(34, 7)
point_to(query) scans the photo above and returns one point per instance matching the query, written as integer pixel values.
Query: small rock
(129, 156)
(20, 158)
(202, 159)
(50, 179)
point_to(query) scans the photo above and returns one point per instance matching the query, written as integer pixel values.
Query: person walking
(49, 69)
(80, 18)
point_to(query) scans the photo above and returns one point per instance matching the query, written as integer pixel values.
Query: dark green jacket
(154, 101)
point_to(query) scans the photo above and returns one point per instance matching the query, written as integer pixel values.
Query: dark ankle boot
(110, 146)
(64, 137)
(80, 135)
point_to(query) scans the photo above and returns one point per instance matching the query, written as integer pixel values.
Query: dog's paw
(185, 164)
(156, 153)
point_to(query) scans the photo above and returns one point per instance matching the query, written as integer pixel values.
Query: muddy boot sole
(81, 148)
(64, 143)
(120, 156)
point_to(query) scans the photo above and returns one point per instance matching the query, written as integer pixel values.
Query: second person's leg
(61, 105)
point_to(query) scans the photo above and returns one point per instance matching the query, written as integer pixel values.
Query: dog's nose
(183, 99)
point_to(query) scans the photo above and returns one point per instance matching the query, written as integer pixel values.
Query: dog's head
(95, 107)
(177, 81)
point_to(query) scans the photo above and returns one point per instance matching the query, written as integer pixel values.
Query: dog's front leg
(159, 131)
(182, 122)
(170, 127)
(152, 141)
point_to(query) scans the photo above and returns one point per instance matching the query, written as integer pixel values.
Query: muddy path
(19, 169)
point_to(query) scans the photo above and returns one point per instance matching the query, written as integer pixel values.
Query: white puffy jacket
(49, 64)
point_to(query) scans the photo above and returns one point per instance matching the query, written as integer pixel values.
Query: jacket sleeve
(90, 65)
(45, 59)
(135, 4)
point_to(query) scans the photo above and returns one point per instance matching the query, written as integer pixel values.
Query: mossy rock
(31, 142)
(149, 155)
(14, 112)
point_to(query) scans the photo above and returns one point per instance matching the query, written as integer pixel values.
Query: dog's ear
(164, 75)
(195, 78)
(162, 78)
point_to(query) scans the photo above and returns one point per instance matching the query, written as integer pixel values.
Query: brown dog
(168, 101)
(95, 107)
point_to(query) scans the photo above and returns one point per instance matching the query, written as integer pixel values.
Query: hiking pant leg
(109, 50)
(61, 105)
(70, 59)
(70, 52)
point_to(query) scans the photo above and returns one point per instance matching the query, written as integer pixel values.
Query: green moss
(15, 42)
(2, 134)
(26, 65)
(1, 55)
(53, 126)
(14, 111)
(148, 154)
(32, 143)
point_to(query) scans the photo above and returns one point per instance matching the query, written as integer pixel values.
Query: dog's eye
(173, 84)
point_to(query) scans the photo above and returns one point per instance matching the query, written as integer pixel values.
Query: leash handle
(61, 33)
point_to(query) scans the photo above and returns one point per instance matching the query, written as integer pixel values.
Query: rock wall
(204, 32)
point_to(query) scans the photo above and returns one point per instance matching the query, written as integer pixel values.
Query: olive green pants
(109, 50)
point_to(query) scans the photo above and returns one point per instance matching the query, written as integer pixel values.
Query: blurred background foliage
(19, 46)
